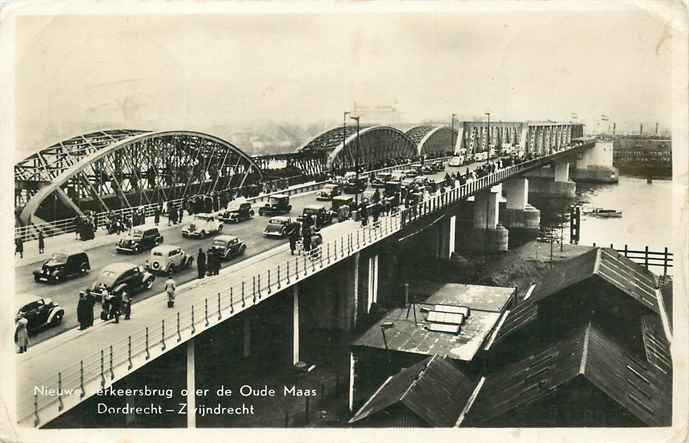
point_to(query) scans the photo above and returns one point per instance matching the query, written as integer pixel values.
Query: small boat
(603, 213)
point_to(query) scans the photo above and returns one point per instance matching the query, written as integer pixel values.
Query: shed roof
(640, 388)
(433, 389)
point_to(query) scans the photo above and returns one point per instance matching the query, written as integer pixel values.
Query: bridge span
(62, 372)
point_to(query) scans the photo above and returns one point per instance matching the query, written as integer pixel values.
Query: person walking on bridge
(41, 242)
(170, 288)
(293, 234)
(19, 247)
(201, 263)
(21, 333)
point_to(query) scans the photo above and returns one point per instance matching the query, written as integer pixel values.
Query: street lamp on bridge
(452, 134)
(344, 130)
(356, 117)
(488, 141)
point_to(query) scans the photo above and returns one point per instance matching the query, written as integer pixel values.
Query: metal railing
(117, 359)
(69, 225)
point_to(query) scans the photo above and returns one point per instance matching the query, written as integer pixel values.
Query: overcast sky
(79, 73)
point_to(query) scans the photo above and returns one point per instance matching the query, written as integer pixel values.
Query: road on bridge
(67, 292)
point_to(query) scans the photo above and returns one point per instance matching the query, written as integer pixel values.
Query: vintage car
(438, 166)
(278, 204)
(425, 170)
(355, 185)
(456, 161)
(40, 312)
(121, 278)
(319, 213)
(169, 259)
(228, 246)
(237, 214)
(202, 226)
(62, 266)
(277, 227)
(380, 179)
(329, 191)
(139, 239)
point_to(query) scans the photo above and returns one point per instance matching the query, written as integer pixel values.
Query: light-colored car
(169, 259)
(457, 160)
(203, 225)
(329, 191)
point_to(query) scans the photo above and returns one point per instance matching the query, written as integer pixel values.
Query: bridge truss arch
(113, 169)
(433, 141)
(378, 146)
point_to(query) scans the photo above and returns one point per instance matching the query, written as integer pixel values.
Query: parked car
(457, 160)
(354, 185)
(329, 191)
(203, 225)
(169, 259)
(238, 214)
(319, 213)
(277, 227)
(40, 312)
(228, 246)
(121, 278)
(380, 179)
(62, 266)
(278, 204)
(140, 239)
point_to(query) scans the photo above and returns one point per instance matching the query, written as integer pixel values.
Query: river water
(646, 220)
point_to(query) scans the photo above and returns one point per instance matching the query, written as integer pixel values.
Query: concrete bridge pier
(560, 185)
(595, 165)
(487, 236)
(521, 218)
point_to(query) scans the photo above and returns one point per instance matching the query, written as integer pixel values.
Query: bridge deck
(116, 350)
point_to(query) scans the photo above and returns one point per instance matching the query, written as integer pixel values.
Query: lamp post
(358, 144)
(452, 134)
(485, 234)
(488, 141)
(344, 129)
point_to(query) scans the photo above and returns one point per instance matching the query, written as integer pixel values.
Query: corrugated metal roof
(433, 389)
(640, 388)
(656, 345)
(627, 276)
(484, 298)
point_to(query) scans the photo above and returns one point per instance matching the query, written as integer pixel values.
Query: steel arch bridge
(112, 169)
(378, 145)
(433, 141)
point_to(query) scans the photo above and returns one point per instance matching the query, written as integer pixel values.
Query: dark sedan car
(139, 240)
(227, 246)
(120, 278)
(62, 266)
(40, 313)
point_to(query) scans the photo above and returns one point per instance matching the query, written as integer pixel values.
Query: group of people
(208, 263)
(116, 223)
(85, 309)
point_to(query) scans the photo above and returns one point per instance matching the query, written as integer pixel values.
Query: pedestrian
(115, 306)
(19, 247)
(376, 212)
(156, 217)
(213, 263)
(82, 305)
(126, 306)
(201, 263)
(90, 302)
(173, 215)
(170, 288)
(181, 213)
(21, 333)
(41, 242)
(364, 213)
(306, 238)
(293, 236)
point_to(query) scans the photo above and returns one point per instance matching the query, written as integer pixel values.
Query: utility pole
(452, 134)
(344, 130)
(358, 144)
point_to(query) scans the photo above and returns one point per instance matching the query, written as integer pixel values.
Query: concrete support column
(372, 282)
(561, 172)
(191, 384)
(295, 324)
(596, 164)
(486, 210)
(453, 235)
(445, 244)
(516, 191)
(355, 291)
(246, 337)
